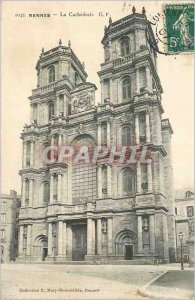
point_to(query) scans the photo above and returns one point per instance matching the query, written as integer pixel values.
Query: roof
(181, 193)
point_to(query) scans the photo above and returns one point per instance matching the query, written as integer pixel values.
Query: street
(45, 281)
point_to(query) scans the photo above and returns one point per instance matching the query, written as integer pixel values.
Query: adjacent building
(9, 230)
(184, 212)
(100, 211)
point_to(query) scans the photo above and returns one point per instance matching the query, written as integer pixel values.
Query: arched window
(128, 179)
(126, 89)
(125, 49)
(46, 193)
(126, 136)
(51, 110)
(51, 74)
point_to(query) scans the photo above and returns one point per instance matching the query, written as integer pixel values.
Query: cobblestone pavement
(75, 281)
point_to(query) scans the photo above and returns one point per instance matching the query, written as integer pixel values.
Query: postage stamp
(179, 26)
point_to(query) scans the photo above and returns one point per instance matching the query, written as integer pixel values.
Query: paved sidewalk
(173, 284)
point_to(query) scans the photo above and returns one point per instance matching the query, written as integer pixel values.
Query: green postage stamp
(179, 24)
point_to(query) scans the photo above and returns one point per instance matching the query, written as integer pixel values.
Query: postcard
(97, 197)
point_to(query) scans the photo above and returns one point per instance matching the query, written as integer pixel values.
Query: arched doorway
(40, 247)
(125, 244)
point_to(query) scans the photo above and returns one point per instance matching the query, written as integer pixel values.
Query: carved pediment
(83, 97)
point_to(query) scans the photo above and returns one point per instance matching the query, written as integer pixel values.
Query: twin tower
(103, 211)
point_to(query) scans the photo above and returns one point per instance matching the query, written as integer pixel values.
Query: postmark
(179, 28)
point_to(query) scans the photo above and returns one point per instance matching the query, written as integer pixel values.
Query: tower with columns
(103, 210)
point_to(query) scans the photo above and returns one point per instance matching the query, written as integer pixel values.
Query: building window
(190, 211)
(126, 89)
(46, 193)
(188, 195)
(2, 235)
(51, 74)
(126, 136)
(125, 49)
(128, 179)
(176, 211)
(3, 204)
(51, 110)
(2, 218)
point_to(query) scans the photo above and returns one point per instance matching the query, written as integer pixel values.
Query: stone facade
(98, 211)
(9, 230)
(184, 212)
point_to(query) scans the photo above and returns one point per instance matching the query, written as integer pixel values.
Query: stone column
(29, 233)
(152, 233)
(31, 183)
(149, 175)
(59, 188)
(51, 188)
(24, 155)
(31, 113)
(59, 140)
(109, 180)
(148, 78)
(108, 134)
(137, 81)
(65, 187)
(69, 241)
(60, 238)
(90, 236)
(137, 129)
(23, 192)
(69, 181)
(165, 237)
(21, 237)
(64, 239)
(99, 236)
(138, 173)
(31, 153)
(110, 234)
(139, 234)
(38, 113)
(99, 134)
(52, 144)
(99, 181)
(57, 106)
(147, 127)
(49, 234)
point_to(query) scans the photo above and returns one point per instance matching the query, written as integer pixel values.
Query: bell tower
(131, 88)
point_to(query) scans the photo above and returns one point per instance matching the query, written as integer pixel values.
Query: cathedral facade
(103, 210)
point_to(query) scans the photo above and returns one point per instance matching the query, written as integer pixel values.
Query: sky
(22, 39)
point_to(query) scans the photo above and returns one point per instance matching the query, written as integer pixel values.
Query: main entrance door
(128, 252)
(79, 242)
